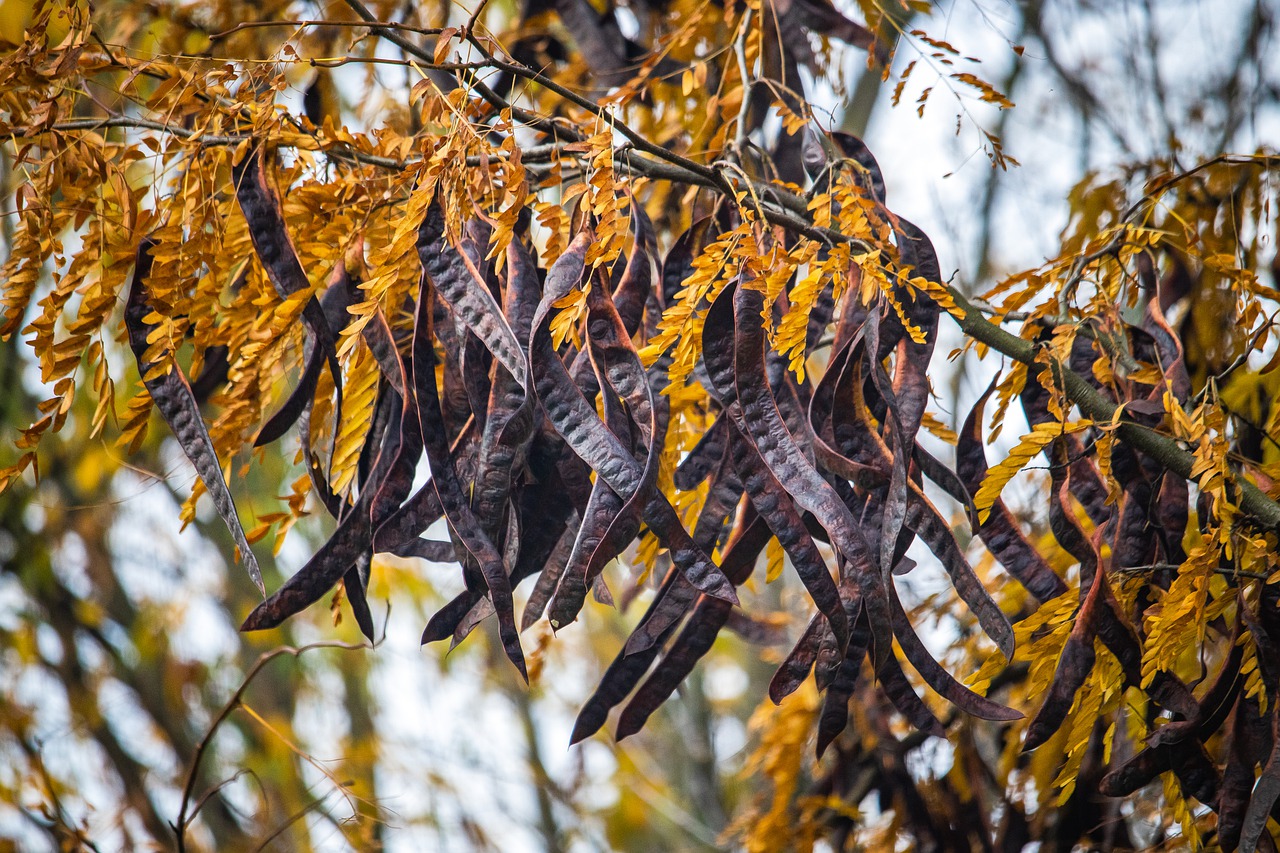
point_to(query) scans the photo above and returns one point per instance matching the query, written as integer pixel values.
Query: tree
(625, 296)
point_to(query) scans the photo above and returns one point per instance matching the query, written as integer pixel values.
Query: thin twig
(1231, 368)
(340, 151)
(470, 26)
(339, 61)
(185, 818)
(247, 25)
(388, 31)
(207, 795)
(1165, 567)
(740, 50)
(636, 139)
(293, 818)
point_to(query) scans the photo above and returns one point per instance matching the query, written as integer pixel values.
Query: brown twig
(184, 818)
(1166, 567)
(292, 819)
(247, 25)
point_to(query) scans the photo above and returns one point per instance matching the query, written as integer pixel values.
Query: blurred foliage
(135, 715)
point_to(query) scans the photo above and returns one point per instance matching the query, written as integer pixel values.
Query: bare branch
(185, 818)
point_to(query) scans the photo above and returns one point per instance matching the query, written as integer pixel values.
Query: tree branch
(788, 210)
(184, 819)
(1253, 501)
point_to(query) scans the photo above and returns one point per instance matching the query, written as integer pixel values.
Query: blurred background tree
(131, 703)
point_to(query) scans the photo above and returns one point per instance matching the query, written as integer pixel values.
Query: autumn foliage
(628, 300)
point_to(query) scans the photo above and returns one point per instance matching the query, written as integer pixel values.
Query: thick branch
(1253, 501)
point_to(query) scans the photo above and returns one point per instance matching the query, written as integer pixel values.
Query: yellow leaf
(775, 560)
(1031, 444)
(939, 430)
